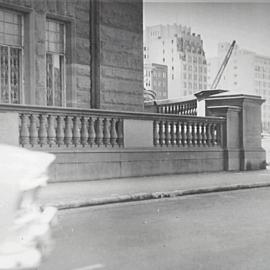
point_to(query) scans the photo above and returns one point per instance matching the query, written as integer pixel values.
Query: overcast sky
(247, 23)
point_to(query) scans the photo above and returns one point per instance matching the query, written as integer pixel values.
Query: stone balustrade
(173, 106)
(59, 127)
(69, 127)
(188, 132)
(52, 129)
(188, 107)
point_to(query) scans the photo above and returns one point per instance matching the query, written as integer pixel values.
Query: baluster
(76, 135)
(99, 133)
(194, 134)
(199, 133)
(155, 133)
(106, 132)
(189, 133)
(84, 131)
(184, 133)
(195, 108)
(178, 134)
(204, 134)
(161, 134)
(68, 131)
(59, 131)
(214, 134)
(188, 109)
(208, 134)
(167, 133)
(120, 132)
(177, 109)
(42, 132)
(191, 109)
(91, 132)
(113, 132)
(181, 109)
(185, 109)
(33, 130)
(51, 130)
(24, 131)
(172, 133)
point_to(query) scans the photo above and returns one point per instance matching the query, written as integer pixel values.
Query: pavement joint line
(156, 195)
(91, 267)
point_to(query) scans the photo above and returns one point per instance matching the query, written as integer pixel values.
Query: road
(218, 231)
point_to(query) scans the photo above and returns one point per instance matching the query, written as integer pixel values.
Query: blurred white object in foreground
(24, 227)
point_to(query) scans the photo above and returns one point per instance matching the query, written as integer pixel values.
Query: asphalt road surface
(229, 230)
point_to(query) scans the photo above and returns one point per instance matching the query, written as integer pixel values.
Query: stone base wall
(101, 164)
(254, 159)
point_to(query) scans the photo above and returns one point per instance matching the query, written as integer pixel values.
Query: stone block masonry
(76, 17)
(103, 57)
(121, 55)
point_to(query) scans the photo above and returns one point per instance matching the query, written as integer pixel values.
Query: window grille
(55, 63)
(11, 50)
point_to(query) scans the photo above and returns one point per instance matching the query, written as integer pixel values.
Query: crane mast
(222, 67)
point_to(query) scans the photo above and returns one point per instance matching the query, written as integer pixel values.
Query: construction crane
(222, 67)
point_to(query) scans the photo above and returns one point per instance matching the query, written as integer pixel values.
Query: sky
(246, 22)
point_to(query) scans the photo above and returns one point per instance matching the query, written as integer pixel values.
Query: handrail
(97, 112)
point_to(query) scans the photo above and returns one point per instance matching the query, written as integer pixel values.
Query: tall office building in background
(246, 72)
(156, 79)
(182, 51)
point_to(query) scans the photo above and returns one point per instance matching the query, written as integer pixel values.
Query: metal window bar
(10, 21)
(56, 48)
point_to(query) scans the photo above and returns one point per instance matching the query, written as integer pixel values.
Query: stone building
(182, 51)
(62, 53)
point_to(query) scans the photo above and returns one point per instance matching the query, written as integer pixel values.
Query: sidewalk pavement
(90, 193)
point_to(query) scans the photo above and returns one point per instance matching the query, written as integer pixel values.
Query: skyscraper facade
(182, 51)
(156, 79)
(246, 72)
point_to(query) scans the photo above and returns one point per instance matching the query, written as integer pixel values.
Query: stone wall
(76, 16)
(105, 164)
(121, 55)
(105, 35)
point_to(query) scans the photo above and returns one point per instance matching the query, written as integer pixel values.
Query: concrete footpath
(90, 193)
